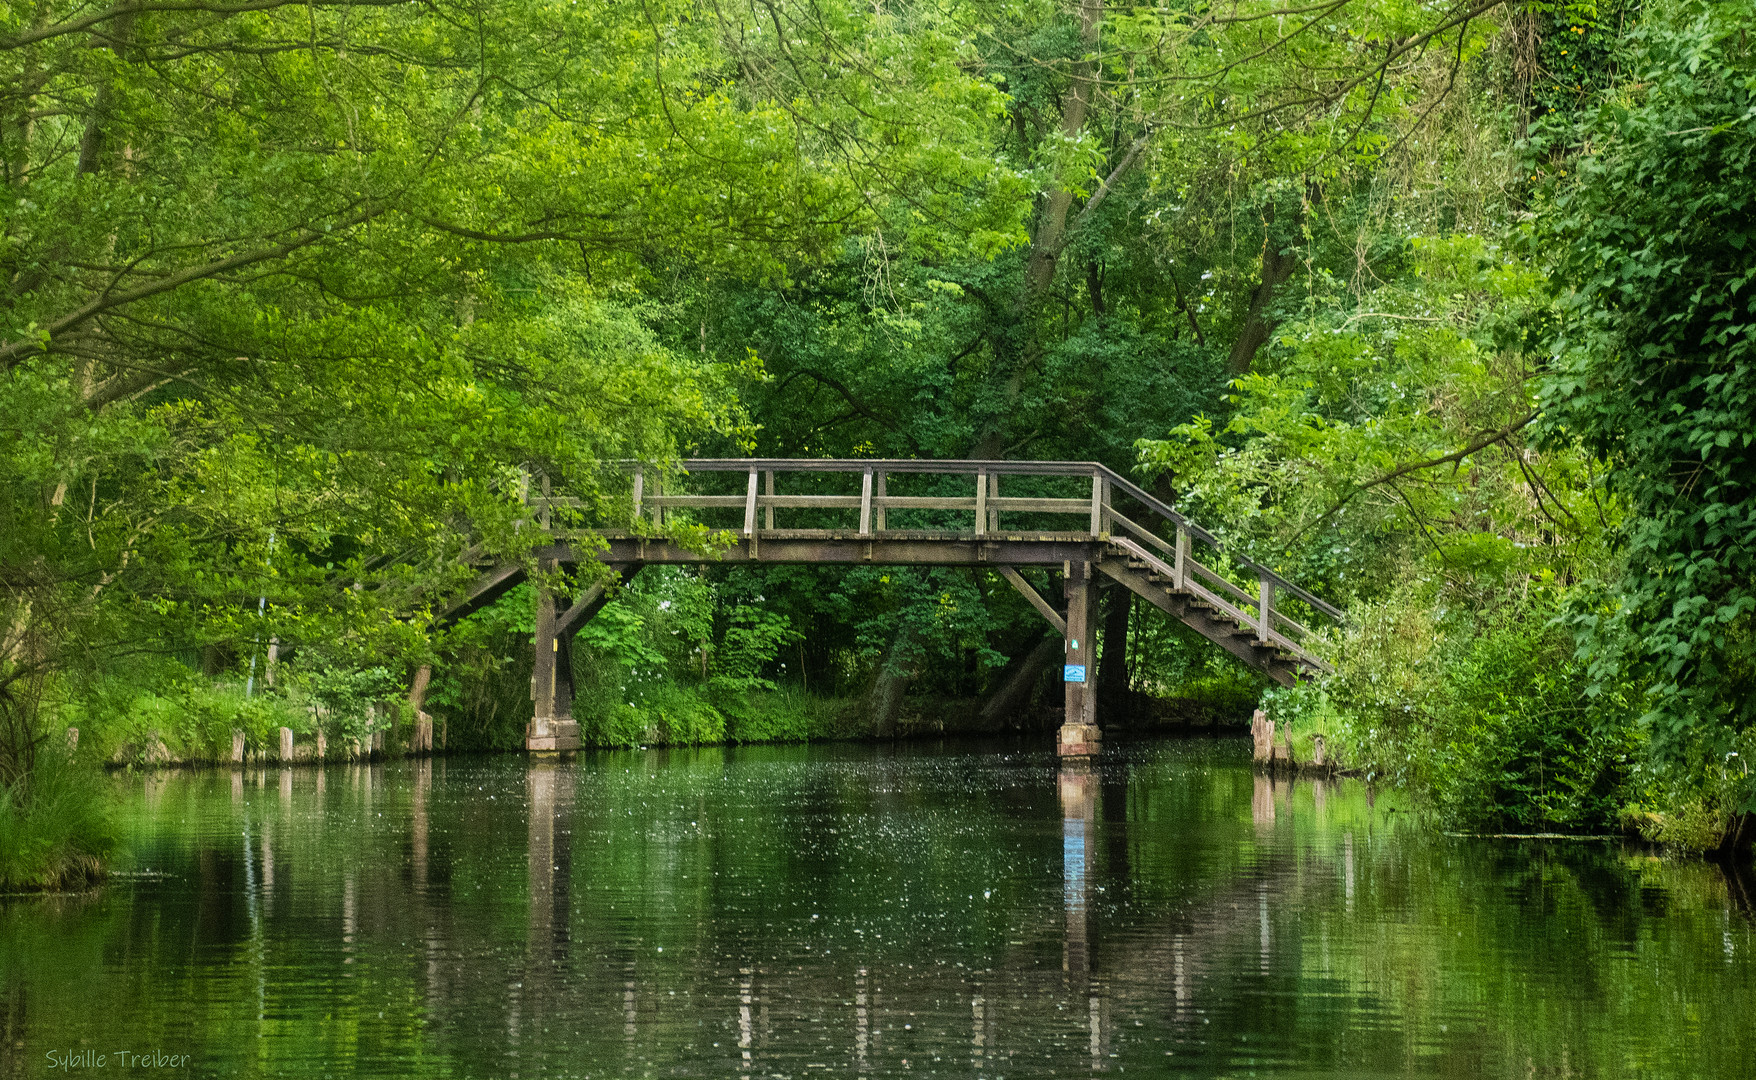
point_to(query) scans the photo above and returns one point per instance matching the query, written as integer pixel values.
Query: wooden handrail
(1105, 481)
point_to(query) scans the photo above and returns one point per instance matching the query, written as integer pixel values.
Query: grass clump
(55, 826)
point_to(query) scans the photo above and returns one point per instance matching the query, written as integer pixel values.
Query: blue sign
(1073, 673)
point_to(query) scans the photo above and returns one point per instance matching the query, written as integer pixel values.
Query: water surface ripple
(961, 910)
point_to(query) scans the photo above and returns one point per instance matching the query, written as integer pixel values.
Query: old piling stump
(1262, 738)
(286, 744)
(237, 746)
(1283, 752)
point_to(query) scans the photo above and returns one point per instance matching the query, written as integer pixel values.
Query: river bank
(287, 732)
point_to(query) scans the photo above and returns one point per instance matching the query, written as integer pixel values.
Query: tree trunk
(884, 700)
(1007, 705)
(1052, 228)
(1112, 675)
(1276, 269)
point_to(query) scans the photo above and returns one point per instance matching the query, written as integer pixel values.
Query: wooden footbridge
(956, 513)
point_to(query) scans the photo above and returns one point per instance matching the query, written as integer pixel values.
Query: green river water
(964, 910)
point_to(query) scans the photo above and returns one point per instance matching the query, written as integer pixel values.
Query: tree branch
(1394, 474)
(12, 352)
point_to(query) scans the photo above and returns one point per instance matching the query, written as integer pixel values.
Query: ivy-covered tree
(1656, 238)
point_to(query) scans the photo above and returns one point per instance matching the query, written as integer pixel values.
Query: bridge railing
(1092, 513)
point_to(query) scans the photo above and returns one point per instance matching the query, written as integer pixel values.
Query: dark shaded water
(846, 911)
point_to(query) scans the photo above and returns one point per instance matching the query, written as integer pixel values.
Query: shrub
(1484, 712)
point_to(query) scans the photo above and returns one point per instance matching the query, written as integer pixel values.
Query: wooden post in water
(1262, 738)
(552, 727)
(1080, 735)
(422, 743)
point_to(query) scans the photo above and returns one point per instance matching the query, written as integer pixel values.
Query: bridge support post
(552, 727)
(1080, 735)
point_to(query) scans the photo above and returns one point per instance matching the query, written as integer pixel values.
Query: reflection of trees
(613, 919)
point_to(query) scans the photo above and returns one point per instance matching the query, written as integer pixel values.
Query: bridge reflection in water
(1169, 964)
(861, 911)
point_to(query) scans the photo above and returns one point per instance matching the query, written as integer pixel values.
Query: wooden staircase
(1212, 612)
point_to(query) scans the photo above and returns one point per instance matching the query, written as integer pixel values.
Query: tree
(289, 292)
(1657, 372)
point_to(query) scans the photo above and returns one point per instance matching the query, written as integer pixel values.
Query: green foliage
(1484, 711)
(1657, 370)
(753, 638)
(55, 828)
(1339, 462)
(348, 696)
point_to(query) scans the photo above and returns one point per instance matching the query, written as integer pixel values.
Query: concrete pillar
(1080, 736)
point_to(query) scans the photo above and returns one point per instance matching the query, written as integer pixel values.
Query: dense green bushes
(1483, 711)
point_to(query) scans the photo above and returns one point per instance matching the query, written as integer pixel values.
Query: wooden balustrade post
(866, 503)
(1180, 568)
(1097, 503)
(750, 508)
(545, 518)
(879, 521)
(768, 489)
(981, 502)
(639, 484)
(993, 493)
(658, 512)
(1265, 609)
